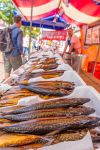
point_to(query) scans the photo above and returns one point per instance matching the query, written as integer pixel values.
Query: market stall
(91, 48)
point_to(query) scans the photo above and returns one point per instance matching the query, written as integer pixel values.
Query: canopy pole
(30, 28)
(97, 54)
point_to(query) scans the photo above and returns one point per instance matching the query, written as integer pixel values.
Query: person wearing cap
(74, 46)
(13, 59)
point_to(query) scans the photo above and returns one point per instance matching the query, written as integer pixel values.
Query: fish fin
(49, 141)
(49, 137)
(56, 131)
(53, 133)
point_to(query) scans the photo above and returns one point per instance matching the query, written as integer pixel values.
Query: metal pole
(30, 28)
(97, 54)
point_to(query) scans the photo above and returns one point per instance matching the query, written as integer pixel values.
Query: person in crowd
(25, 49)
(74, 44)
(13, 59)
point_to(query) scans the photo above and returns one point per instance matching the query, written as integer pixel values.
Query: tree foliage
(7, 14)
(7, 11)
(35, 31)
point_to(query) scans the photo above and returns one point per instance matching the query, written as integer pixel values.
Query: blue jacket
(17, 38)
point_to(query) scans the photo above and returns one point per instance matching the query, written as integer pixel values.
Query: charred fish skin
(7, 141)
(43, 126)
(49, 67)
(45, 91)
(74, 136)
(16, 140)
(63, 102)
(37, 74)
(50, 113)
(77, 135)
(53, 83)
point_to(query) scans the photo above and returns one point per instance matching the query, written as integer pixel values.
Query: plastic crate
(91, 66)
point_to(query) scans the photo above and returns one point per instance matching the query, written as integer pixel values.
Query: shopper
(25, 49)
(13, 59)
(74, 48)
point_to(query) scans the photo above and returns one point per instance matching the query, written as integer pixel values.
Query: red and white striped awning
(81, 11)
(41, 8)
(78, 11)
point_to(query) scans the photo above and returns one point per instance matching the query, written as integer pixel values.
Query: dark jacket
(17, 38)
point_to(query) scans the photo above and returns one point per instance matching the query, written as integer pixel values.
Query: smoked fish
(82, 110)
(58, 103)
(16, 140)
(47, 125)
(48, 91)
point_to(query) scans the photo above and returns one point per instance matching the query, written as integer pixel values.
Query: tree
(7, 11)
(35, 31)
(7, 14)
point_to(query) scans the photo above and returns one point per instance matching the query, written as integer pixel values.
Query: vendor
(74, 47)
(73, 42)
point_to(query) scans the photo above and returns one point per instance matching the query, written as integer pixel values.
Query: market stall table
(90, 80)
(79, 91)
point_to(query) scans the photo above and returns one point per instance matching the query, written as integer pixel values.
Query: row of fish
(42, 126)
(45, 113)
(42, 88)
(44, 74)
(48, 122)
(42, 120)
(16, 140)
(50, 88)
(47, 64)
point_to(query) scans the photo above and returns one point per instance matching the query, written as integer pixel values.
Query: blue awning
(47, 23)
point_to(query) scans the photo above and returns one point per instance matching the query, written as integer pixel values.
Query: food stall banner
(54, 35)
(79, 12)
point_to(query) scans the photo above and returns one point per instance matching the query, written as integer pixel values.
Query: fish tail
(48, 140)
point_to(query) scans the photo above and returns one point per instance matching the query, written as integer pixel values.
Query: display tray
(85, 143)
(81, 90)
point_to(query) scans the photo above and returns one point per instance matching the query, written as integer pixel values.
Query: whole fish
(17, 90)
(15, 140)
(53, 83)
(44, 74)
(63, 102)
(52, 72)
(47, 125)
(47, 91)
(49, 66)
(50, 113)
(9, 108)
(49, 61)
(16, 95)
